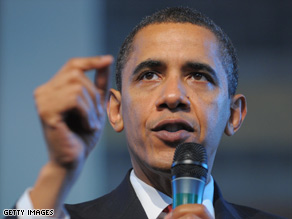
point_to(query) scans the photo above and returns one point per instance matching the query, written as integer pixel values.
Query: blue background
(37, 37)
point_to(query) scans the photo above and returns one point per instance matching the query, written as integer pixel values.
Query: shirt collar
(154, 201)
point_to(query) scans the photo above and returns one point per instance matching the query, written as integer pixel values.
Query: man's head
(174, 89)
(184, 15)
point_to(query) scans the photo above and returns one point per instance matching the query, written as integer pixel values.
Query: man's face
(174, 90)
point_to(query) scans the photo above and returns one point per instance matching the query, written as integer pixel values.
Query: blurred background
(37, 37)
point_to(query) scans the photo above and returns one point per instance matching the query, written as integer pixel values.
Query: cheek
(213, 115)
(134, 116)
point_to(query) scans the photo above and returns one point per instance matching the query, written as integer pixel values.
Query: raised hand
(72, 110)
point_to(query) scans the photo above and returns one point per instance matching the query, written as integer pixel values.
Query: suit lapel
(223, 210)
(121, 203)
(130, 206)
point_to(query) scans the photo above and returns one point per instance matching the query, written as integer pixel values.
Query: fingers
(88, 63)
(71, 91)
(102, 83)
(76, 77)
(189, 211)
(102, 77)
(83, 108)
(55, 104)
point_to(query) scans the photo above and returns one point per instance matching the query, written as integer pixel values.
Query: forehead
(174, 43)
(175, 33)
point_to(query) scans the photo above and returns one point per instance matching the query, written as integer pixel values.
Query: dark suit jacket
(123, 203)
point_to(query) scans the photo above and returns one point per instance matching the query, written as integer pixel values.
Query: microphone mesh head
(190, 151)
(190, 160)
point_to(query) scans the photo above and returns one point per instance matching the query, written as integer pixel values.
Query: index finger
(88, 63)
(102, 83)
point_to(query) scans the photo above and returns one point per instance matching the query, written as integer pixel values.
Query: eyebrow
(201, 67)
(198, 66)
(149, 63)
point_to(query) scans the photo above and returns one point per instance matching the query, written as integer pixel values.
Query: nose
(173, 95)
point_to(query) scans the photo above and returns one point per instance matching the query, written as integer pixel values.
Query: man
(176, 82)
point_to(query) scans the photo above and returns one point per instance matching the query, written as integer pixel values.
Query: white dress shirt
(154, 201)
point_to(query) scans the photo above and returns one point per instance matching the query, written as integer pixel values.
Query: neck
(159, 179)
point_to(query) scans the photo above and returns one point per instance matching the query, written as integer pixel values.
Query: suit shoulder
(252, 213)
(122, 202)
(92, 207)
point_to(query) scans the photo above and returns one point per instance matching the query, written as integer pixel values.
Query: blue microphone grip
(187, 190)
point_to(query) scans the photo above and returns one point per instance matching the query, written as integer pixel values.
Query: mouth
(173, 126)
(173, 131)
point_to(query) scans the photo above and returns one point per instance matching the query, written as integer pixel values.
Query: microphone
(189, 172)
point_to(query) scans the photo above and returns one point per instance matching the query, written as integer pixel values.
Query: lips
(173, 131)
(173, 126)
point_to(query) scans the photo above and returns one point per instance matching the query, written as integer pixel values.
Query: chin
(162, 166)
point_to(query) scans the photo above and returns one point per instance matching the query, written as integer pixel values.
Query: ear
(238, 110)
(114, 110)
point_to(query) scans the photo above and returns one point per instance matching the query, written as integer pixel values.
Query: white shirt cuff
(24, 203)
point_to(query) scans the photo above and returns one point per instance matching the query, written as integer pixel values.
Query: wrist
(52, 186)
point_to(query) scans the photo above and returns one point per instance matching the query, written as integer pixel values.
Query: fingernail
(107, 58)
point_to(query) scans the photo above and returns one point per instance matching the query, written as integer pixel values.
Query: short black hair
(184, 15)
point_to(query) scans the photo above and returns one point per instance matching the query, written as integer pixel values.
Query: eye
(149, 76)
(200, 77)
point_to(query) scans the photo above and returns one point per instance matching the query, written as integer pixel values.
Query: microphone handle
(187, 190)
